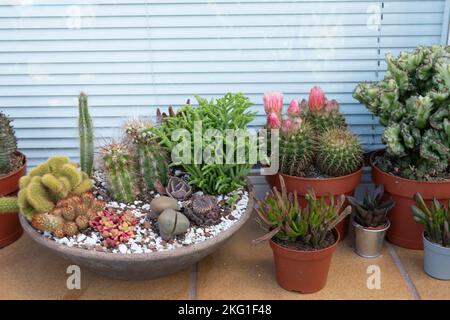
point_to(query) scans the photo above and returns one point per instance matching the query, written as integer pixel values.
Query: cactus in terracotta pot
(8, 145)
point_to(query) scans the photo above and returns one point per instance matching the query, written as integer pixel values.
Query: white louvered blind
(131, 56)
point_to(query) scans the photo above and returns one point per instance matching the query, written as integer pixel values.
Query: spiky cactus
(8, 204)
(8, 145)
(48, 183)
(338, 152)
(412, 104)
(120, 170)
(86, 133)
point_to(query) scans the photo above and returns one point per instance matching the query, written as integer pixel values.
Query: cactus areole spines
(8, 145)
(86, 133)
(412, 103)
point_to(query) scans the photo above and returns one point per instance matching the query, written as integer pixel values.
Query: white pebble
(122, 248)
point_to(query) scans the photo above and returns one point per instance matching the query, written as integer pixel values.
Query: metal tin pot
(367, 243)
(436, 261)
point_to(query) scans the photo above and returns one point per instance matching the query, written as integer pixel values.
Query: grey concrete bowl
(139, 266)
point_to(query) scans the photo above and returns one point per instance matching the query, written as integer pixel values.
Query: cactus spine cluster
(338, 152)
(151, 160)
(8, 145)
(86, 133)
(48, 183)
(120, 170)
(412, 102)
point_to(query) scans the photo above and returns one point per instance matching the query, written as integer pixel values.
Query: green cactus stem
(8, 204)
(86, 133)
(8, 145)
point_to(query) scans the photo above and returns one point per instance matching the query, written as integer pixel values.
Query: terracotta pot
(302, 271)
(10, 228)
(404, 231)
(323, 187)
(10, 183)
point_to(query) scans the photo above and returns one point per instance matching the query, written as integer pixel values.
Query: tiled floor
(237, 271)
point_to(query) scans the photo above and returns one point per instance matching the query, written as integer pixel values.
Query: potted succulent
(370, 222)
(316, 149)
(303, 240)
(12, 167)
(436, 237)
(412, 104)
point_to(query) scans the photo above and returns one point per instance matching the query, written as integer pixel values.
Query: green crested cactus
(8, 145)
(86, 133)
(297, 148)
(338, 152)
(120, 170)
(412, 104)
(48, 183)
(8, 204)
(150, 158)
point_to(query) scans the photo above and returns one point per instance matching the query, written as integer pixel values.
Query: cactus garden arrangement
(135, 199)
(314, 139)
(412, 103)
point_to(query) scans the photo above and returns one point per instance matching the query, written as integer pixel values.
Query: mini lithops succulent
(172, 223)
(178, 189)
(161, 203)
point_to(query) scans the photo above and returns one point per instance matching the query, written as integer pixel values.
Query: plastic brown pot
(10, 228)
(303, 271)
(404, 231)
(323, 187)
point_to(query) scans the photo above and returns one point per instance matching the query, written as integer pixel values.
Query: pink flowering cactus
(317, 98)
(294, 108)
(273, 102)
(115, 228)
(286, 126)
(273, 121)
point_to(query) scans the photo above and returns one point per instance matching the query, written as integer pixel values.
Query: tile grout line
(193, 282)
(401, 268)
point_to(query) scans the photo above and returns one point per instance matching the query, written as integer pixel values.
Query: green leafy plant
(217, 116)
(372, 211)
(436, 219)
(412, 103)
(86, 133)
(289, 221)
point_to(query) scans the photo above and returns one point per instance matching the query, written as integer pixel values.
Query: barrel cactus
(8, 145)
(338, 152)
(412, 104)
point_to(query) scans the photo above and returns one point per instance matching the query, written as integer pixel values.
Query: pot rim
(12, 173)
(386, 174)
(357, 172)
(434, 244)
(374, 230)
(155, 256)
(310, 252)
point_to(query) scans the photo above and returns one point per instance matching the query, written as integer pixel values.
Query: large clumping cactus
(86, 133)
(8, 145)
(338, 152)
(151, 159)
(120, 170)
(412, 102)
(48, 183)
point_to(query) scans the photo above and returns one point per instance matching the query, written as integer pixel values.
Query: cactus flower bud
(273, 102)
(273, 121)
(294, 108)
(286, 126)
(316, 98)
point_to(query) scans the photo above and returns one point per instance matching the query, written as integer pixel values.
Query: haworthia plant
(86, 133)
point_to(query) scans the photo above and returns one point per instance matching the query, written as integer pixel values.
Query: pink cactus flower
(286, 126)
(273, 121)
(294, 108)
(296, 124)
(316, 98)
(273, 102)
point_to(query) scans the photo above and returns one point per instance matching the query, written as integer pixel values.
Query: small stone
(147, 225)
(99, 248)
(122, 248)
(81, 237)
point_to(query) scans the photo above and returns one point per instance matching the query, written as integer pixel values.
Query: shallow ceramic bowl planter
(139, 266)
(404, 231)
(303, 271)
(323, 187)
(368, 242)
(10, 229)
(436, 261)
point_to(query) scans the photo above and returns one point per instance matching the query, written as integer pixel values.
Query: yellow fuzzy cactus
(48, 183)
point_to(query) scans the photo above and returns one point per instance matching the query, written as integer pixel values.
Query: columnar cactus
(412, 103)
(120, 170)
(48, 183)
(86, 133)
(8, 145)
